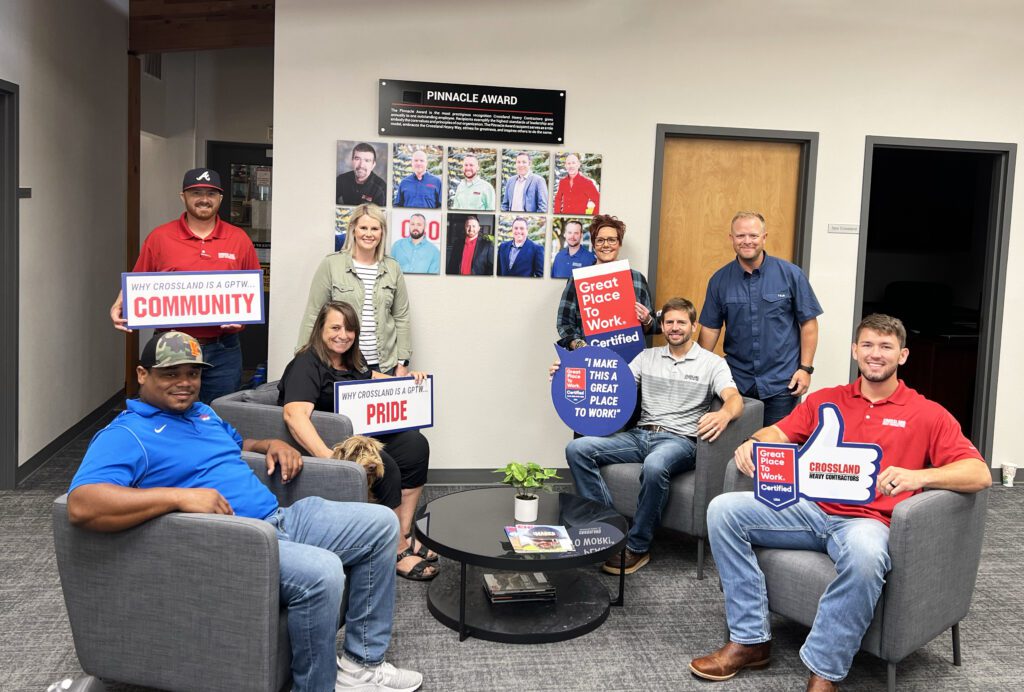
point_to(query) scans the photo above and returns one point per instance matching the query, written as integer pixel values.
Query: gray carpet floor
(669, 618)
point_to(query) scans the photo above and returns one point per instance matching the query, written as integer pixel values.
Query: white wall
(235, 93)
(934, 70)
(69, 60)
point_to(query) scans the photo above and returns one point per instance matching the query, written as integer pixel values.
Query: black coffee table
(469, 527)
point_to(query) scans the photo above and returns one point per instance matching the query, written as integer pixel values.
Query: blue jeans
(316, 537)
(775, 407)
(858, 546)
(663, 455)
(225, 377)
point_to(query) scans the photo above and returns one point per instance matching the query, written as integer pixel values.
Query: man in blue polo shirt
(170, 453)
(419, 188)
(573, 255)
(770, 313)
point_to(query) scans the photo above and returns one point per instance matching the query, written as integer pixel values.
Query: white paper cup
(1009, 471)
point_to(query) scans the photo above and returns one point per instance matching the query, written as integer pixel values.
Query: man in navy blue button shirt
(770, 314)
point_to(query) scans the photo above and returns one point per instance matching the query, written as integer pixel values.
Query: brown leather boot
(731, 659)
(819, 684)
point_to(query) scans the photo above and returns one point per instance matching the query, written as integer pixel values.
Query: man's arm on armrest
(713, 423)
(278, 453)
(109, 507)
(962, 476)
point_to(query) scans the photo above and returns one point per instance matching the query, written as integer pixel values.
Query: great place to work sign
(824, 469)
(166, 300)
(470, 111)
(607, 305)
(386, 405)
(593, 391)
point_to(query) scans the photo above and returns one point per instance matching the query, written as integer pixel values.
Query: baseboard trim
(22, 473)
(479, 477)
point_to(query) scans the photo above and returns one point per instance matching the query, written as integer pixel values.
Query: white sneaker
(384, 677)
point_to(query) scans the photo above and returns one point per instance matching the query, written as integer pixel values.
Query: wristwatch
(404, 363)
(809, 369)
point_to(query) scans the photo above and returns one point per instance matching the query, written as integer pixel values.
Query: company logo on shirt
(691, 378)
(894, 422)
(204, 416)
(226, 255)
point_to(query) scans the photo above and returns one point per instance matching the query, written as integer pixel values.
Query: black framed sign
(470, 111)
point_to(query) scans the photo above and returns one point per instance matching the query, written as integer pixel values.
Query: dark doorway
(933, 251)
(245, 171)
(9, 195)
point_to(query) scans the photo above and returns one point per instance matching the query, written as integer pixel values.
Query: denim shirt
(762, 311)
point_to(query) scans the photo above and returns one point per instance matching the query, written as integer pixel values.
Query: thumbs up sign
(830, 469)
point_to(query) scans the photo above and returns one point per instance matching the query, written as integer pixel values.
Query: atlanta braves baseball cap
(167, 349)
(201, 177)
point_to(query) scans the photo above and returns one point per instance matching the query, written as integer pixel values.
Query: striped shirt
(367, 273)
(676, 393)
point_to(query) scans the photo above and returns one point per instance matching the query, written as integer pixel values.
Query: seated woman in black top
(332, 355)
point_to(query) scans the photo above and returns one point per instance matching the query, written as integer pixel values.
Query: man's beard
(880, 377)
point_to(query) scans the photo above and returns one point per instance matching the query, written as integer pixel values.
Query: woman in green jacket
(362, 275)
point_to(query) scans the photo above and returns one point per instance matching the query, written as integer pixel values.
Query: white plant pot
(526, 510)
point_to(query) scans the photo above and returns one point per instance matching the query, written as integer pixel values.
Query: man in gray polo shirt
(678, 382)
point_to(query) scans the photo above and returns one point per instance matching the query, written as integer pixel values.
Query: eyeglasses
(606, 241)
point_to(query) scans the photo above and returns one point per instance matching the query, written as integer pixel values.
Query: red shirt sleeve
(947, 443)
(250, 260)
(147, 259)
(799, 424)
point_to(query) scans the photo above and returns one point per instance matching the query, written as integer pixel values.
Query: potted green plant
(527, 479)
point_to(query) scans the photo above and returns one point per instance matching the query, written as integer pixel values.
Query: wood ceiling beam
(164, 26)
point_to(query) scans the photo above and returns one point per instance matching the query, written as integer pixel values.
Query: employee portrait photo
(342, 215)
(570, 246)
(524, 176)
(472, 173)
(416, 237)
(361, 170)
(521, 240)
(577, 183)
(470, 245)
(416, 175)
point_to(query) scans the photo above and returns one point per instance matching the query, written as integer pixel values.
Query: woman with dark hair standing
(332, 354)
(606, 233)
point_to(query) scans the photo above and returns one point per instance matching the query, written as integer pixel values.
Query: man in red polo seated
(922, 447)
(199, 240)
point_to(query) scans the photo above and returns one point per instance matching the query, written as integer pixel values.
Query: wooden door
(705, 181)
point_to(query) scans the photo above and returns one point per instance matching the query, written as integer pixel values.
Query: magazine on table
(539, 538)
(518, 586)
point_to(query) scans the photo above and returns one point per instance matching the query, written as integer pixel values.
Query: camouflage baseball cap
(167, 349)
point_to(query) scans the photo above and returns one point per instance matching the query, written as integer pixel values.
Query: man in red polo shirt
(200, 240)
(922, 447)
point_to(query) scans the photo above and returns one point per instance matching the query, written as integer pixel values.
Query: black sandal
(416, 572)
(423, 551)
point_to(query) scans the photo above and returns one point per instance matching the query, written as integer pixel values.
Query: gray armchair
(254, 413)
(935, 547)
(690, 493)
(189, 601)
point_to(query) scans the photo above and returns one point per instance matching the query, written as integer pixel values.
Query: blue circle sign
(593, 391)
